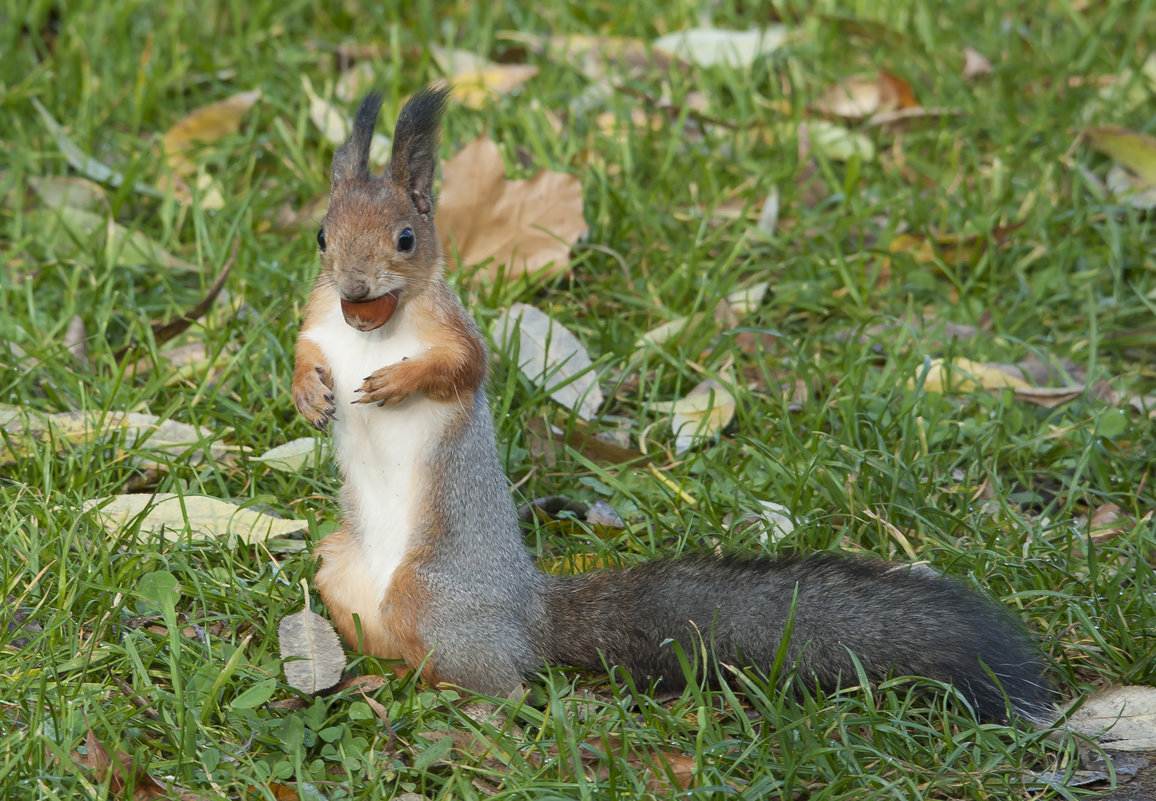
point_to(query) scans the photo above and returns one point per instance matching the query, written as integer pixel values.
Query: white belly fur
(379, 448)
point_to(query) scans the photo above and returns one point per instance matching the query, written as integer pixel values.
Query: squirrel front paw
(313, 394)
(387, 386)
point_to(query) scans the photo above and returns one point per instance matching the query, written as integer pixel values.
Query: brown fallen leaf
(668, 771)
(121, 773)
(546, 441)
(522, 228)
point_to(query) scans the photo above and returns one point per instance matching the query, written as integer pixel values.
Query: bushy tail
(896, 619)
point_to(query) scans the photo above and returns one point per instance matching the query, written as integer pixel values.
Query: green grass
(982, 485)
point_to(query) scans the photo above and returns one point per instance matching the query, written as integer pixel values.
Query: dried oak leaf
(523, 228)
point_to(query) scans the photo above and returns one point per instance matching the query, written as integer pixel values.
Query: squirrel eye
(321, 239)
(405, 240)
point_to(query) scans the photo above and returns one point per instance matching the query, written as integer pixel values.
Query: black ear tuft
(415, 146)
(352, 160)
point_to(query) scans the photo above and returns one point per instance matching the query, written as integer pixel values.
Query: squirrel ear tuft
(415, 146)
(352, 159)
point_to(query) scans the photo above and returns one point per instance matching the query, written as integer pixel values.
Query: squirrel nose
(353, 288)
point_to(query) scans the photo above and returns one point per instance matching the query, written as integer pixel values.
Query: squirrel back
(429, 564)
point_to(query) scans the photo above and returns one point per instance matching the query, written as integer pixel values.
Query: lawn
(894, 238)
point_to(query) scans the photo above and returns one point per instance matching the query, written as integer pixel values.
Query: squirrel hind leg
(350, 594)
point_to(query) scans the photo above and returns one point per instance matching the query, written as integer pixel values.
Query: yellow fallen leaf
(964, 375)
(575, 563)
(476, 80)
(705, 411)
(526, 227)
(206, 124)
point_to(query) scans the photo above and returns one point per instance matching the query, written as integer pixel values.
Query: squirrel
(429, 566)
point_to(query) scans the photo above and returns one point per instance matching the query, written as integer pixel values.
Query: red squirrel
(429, 565)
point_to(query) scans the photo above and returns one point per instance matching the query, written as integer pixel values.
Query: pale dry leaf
(1130, 188)
(965, 375)
(523, 228)
(82, 162)
(75, 339)
(593, 55)
(62, 190)
(551, 356)
(1119, 718)
(975, 64)
(774, 520)
(712, 46)
(744, 302)
(205, 125)
(1048, 397)
(25, 433)
(69, 228)
(861, 96)
(378, 709)
(198, 517)
(311, 652)
(705, 411)
(769, 214)
(838, 143)
(669, 331)
(334, 124)
(354, 82)
(295, 455)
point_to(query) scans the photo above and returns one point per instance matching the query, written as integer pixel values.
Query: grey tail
(897, 620)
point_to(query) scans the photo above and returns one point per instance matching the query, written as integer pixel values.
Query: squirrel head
(378, 237)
